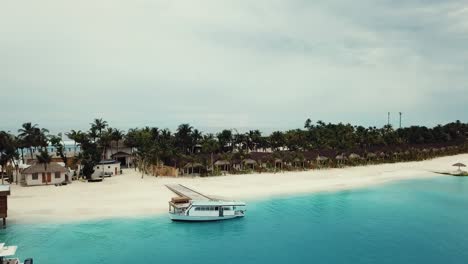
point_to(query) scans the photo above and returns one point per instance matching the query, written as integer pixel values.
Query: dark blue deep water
(420, 221)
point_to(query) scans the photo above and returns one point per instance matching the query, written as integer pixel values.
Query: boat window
(216, 208)
(197, 208)
(226, 208)
(233, 208)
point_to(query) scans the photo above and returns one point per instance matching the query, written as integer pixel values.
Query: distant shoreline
(128, 196)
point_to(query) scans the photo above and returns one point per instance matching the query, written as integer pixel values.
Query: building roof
(121, 154)
(104, 162)
(249, 161)
(38, 168)
(4, 189)
(221, 162)
(193, 165)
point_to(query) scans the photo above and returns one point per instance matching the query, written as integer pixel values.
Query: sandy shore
(128, 195)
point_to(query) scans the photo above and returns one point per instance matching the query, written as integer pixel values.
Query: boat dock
(184, 191)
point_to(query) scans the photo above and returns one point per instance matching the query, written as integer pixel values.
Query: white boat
(7, 253)
(205, 210)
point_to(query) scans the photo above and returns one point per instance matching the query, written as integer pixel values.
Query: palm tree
(225, 139)
(8, 145)
(98, 125)
(44, 158)
(197, 136)
(117, 136)
(27, 135)
(277, 140)
(183, 137)
(105, 140)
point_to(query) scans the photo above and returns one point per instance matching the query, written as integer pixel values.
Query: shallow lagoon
(418, 221)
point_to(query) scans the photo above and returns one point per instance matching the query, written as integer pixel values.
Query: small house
(107, 168)
(37, 174)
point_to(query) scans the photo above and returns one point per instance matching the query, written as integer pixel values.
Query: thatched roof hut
(249, 161)
(39, 168)
(222, 163)
(340, 157)
(321, 158)
(193, 165)
(277, 160)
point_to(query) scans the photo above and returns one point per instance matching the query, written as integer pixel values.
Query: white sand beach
(128, 195)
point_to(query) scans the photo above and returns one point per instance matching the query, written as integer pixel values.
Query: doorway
(221, 211)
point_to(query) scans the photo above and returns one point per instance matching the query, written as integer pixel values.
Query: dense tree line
(153, 145)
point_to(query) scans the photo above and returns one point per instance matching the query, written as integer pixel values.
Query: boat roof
(7, 251)
(219, 202)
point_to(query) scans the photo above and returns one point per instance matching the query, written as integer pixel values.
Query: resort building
(118, 151)
(38, 175)
(107, 168)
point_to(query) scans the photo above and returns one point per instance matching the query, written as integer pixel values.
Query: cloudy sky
(223, 64)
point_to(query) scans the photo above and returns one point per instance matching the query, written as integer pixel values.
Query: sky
(216, 64)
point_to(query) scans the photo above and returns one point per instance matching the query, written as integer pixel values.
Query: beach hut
(299, 162)
(340, 159)
(38, 175)
(223, 165)
(278, 163)
(249, 164)
(371, 156)
(321, 160)
(193, 168)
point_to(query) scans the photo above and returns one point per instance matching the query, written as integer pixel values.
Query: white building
(107, 168)
(120, 152)
(37, 175)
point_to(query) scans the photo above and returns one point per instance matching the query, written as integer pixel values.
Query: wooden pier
(184, 191)
(4, 192)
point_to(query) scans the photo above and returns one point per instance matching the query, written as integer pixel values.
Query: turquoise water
(421, 221)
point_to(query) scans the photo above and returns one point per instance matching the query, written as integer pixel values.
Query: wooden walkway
(183, 191)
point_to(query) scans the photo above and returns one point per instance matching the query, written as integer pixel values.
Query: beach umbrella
(459, 165)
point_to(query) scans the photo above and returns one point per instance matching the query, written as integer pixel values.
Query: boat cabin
(207, 210)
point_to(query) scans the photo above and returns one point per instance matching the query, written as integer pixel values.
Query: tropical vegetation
(315, 145)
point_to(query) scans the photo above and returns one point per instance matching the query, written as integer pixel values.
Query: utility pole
(400, 118)
(388, 118)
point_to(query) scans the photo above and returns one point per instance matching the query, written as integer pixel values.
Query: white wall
(98, 169)
(53, 180)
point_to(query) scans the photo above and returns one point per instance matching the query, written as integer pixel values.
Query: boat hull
(186, 218)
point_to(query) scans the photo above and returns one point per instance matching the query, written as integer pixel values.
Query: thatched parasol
(459, 165)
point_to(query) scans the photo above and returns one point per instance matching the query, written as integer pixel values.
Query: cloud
(267, 64)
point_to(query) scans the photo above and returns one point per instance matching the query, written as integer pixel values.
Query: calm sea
(420, 221)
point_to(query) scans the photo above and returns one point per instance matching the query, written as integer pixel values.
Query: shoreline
(128, 196)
